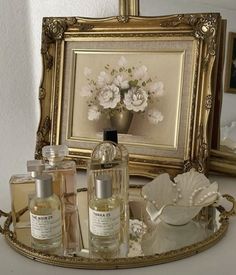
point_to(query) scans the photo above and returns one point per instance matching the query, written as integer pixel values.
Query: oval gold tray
(212, 221)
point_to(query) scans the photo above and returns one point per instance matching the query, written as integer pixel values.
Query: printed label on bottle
(104, 223)
(44, 227)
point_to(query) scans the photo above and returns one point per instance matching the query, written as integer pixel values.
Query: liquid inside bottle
(104, 220)
(64, 185)
(45, 216)
(22, 189)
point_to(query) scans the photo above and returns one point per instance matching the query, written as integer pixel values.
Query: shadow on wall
(17, 120)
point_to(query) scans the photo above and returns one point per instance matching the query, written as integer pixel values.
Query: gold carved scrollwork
(42, 137)
(208, 102)
(202, 151)
(82, 27)
(187, 165)
(53, 29)
(42, 93)
(123, 18)
(204, 27)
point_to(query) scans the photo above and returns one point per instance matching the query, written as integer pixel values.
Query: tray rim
(80, 262)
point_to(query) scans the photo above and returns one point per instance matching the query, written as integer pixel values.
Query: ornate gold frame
(203, 29)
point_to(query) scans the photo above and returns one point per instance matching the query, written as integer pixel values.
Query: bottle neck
(35, 174)
(53, 161)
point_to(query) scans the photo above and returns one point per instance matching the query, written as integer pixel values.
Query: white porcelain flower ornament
(180, 201)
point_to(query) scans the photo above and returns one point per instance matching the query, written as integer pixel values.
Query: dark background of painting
(233, 67)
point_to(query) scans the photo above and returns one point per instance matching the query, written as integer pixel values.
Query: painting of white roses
(122, 88)
(143, 89)
(136, 92)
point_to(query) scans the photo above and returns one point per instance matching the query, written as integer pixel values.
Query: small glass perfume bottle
(64, 185)
(107, 159)
(45, 216)
(104, 220)
(22, 189)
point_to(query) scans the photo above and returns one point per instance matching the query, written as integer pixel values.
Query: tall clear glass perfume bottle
(45, 216)
(104, 220)
(107, 159)
(22, 189)
(64, 185)
(111, 134)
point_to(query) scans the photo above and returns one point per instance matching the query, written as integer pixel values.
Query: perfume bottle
(45, 216)
(110, 134)
(107, 159)
(64, 185)
(22, 189)
(104, 220)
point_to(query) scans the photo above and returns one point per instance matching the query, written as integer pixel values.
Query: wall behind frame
(20, 74)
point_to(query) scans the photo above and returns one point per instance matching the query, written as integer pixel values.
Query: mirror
(222, 159)
(149, 243)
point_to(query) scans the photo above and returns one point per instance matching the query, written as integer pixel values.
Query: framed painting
(230, 72)
(149, 77)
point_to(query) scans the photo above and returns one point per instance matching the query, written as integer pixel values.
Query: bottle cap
(103, 187)
(43, 186)
(110, 134)
(55, 151)
(35, 167)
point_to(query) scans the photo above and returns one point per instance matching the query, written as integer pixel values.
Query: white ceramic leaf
(195, 189)
(177, 203)
(160, 191)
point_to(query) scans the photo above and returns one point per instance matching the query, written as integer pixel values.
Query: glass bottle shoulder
(45, 206)
(64, 165)
(21, 179)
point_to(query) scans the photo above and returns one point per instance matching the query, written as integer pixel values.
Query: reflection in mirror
(146, 237)
(227, 10)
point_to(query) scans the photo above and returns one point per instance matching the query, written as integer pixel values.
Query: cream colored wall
(20, 73)
(20, 65)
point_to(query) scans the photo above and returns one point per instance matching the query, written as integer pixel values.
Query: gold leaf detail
(42, 137)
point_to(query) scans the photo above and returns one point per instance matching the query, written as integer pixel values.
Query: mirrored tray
(150, 244)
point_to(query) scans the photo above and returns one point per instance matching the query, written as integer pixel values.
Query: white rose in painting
(157, 89)
(120, 82)
(103, 79)
(86, 91)
(109, 96)
(136, 99)
(93, 113)
(87, 72)
(122, 62)
(140, 73)
(154, 116)
(125, 84)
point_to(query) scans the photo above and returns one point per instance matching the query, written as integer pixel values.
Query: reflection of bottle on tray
(104, 220)
(45, 216)
(22, 189)
(109, 158)
(64, 185)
